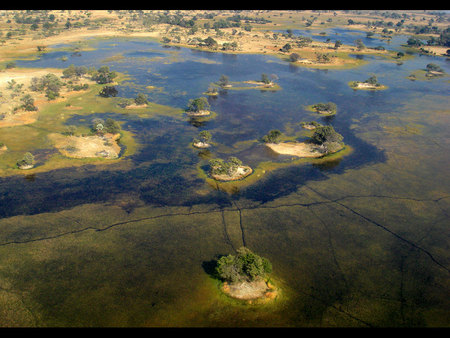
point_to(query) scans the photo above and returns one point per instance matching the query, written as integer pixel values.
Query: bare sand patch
(300, 149)
(258, 289)
(198, 113)
(201, 145)
(87, 146)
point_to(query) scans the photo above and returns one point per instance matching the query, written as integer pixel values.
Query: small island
(198, 107)
(324, 141)
(324, 109)
(245, 276)
(232, 170)
(203, 138)
(370, 84)
(310, 125)
(27, 162)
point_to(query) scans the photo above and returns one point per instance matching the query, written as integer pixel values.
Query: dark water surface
(361, 241)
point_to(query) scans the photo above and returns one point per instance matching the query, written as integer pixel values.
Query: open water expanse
(362, 241)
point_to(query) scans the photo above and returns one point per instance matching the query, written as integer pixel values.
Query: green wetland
(358, 239)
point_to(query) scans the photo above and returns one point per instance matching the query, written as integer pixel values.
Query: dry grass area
(87, 146)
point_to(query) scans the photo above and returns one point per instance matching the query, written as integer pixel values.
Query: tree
(141, 99)
(108, 91)
(372, 80)
(337, 44)
(28, 103)
(272, 136)
(210, 42)
(205, 136)
(245, 266)
(265, 78)
(326, 134)
(27, 160)
(111, 126)
(286, 48)
(359, 44)
(221, 167)
(104, 75)
(294, 57)
(223, 81)
(434, 67)
(330, 107)
(196, 105)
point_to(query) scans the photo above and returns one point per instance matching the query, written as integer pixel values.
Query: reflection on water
(350, 239)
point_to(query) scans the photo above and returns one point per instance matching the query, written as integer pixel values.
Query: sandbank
(198, 113)
(201, 145)
(300, 149)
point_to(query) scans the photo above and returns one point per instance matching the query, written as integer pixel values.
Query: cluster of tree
(327, 107)
(433, 70)
(327, 138)
(223, 81)
(100, 126)
(75, 71)
(203, 137)
(245, 266)
(50, 83)
(198, 104)
(372, 81)
(26, 161)
(323, 57)
(221, 167)
(272, 136)
(103, 75)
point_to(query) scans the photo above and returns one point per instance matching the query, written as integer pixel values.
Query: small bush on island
(246, 266)
(108, 91)
(221, 167)
(324, 134)
(99, 126)
(203, 138)
(196, 105)
(26, 162)
(272, 137)
(328, 108)
(141, 99)
(103, 75)
(223, 81)
(329, 140)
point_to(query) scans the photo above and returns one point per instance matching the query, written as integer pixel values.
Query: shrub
(141, 99)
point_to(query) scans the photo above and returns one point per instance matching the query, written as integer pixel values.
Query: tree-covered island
(245, 275)
(370, 84)
(198, 107)
(230, 170)
(324, 141)
(203, 140)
